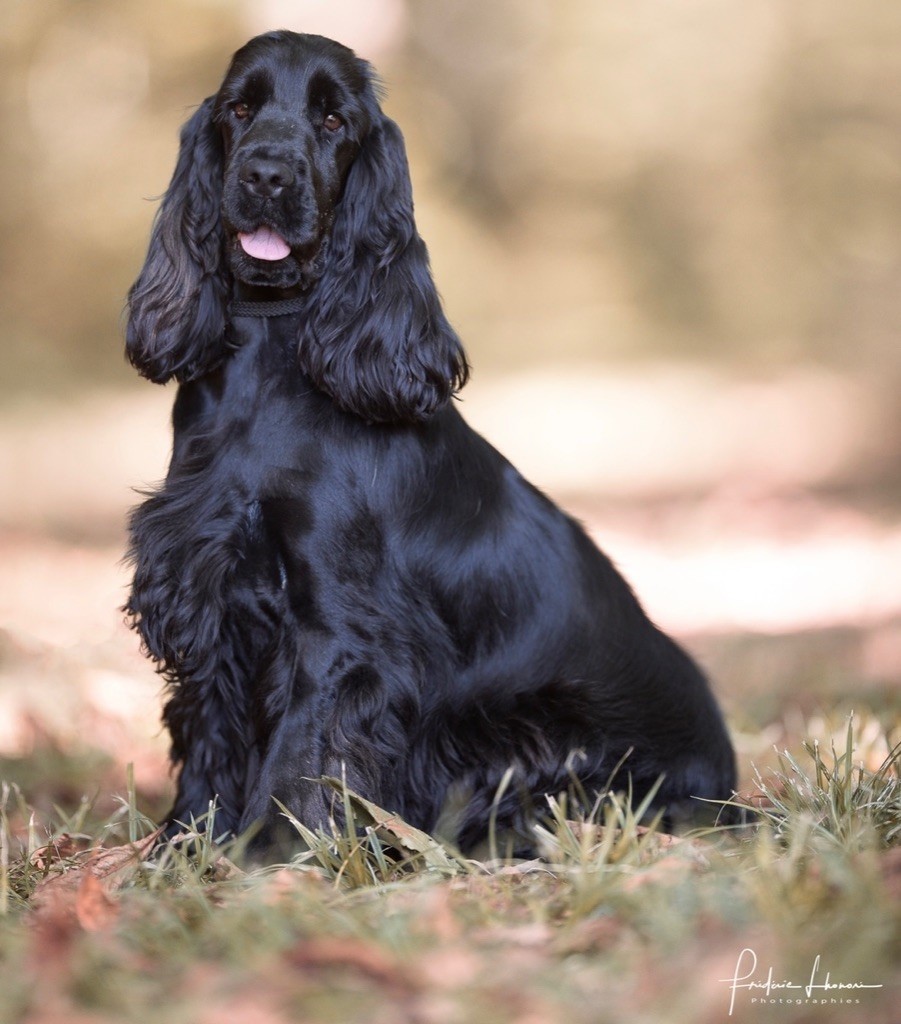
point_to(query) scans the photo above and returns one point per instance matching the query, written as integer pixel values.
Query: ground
(613, 923)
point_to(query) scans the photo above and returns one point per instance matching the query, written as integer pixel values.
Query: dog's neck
(256, 300)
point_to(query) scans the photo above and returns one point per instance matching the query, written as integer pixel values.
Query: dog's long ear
(176, 323)
(376, 338)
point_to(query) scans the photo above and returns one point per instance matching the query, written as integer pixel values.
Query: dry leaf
(58, 893)
(351, 954)
(224, 870)
(61, 848)
(107, 862)
(392, 829)
(95, 910)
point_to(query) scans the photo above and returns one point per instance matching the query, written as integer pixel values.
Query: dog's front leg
(286, 786)
(327, 730)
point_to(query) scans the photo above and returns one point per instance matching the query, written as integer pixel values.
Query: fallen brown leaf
(107, 862)
(95, 910)
(61, 848)
(57, 894)
(224, 870)
(350, 954)
(392, 829)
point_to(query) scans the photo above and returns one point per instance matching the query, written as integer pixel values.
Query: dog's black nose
(265, 177)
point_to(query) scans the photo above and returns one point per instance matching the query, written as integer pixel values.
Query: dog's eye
(241, 111)
(332, 122)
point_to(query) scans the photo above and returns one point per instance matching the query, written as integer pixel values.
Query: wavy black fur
(338, 573)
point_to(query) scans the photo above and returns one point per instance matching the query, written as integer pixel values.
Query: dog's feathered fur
(338, 573)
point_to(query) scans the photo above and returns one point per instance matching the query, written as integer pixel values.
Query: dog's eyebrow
(326, 90)
(255, 87)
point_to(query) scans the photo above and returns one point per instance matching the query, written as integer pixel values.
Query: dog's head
(292, 178)
(294, 113)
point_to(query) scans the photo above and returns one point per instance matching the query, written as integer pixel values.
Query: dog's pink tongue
(264, 244)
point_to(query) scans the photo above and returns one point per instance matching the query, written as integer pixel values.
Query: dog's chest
(275, 481)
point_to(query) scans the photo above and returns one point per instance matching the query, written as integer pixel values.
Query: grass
(840, 800)
(378, 922)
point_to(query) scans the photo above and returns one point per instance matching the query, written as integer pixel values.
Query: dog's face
(292, 177)
(293, 112)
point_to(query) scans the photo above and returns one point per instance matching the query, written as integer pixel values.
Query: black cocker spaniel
(338, 574)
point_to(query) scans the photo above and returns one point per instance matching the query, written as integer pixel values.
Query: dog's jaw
(300, 268)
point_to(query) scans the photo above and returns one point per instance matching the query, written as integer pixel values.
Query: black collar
(281, 307)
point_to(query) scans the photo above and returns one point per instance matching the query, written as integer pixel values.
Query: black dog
(338, 573)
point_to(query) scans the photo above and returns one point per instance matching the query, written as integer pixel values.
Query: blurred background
(670, 237)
